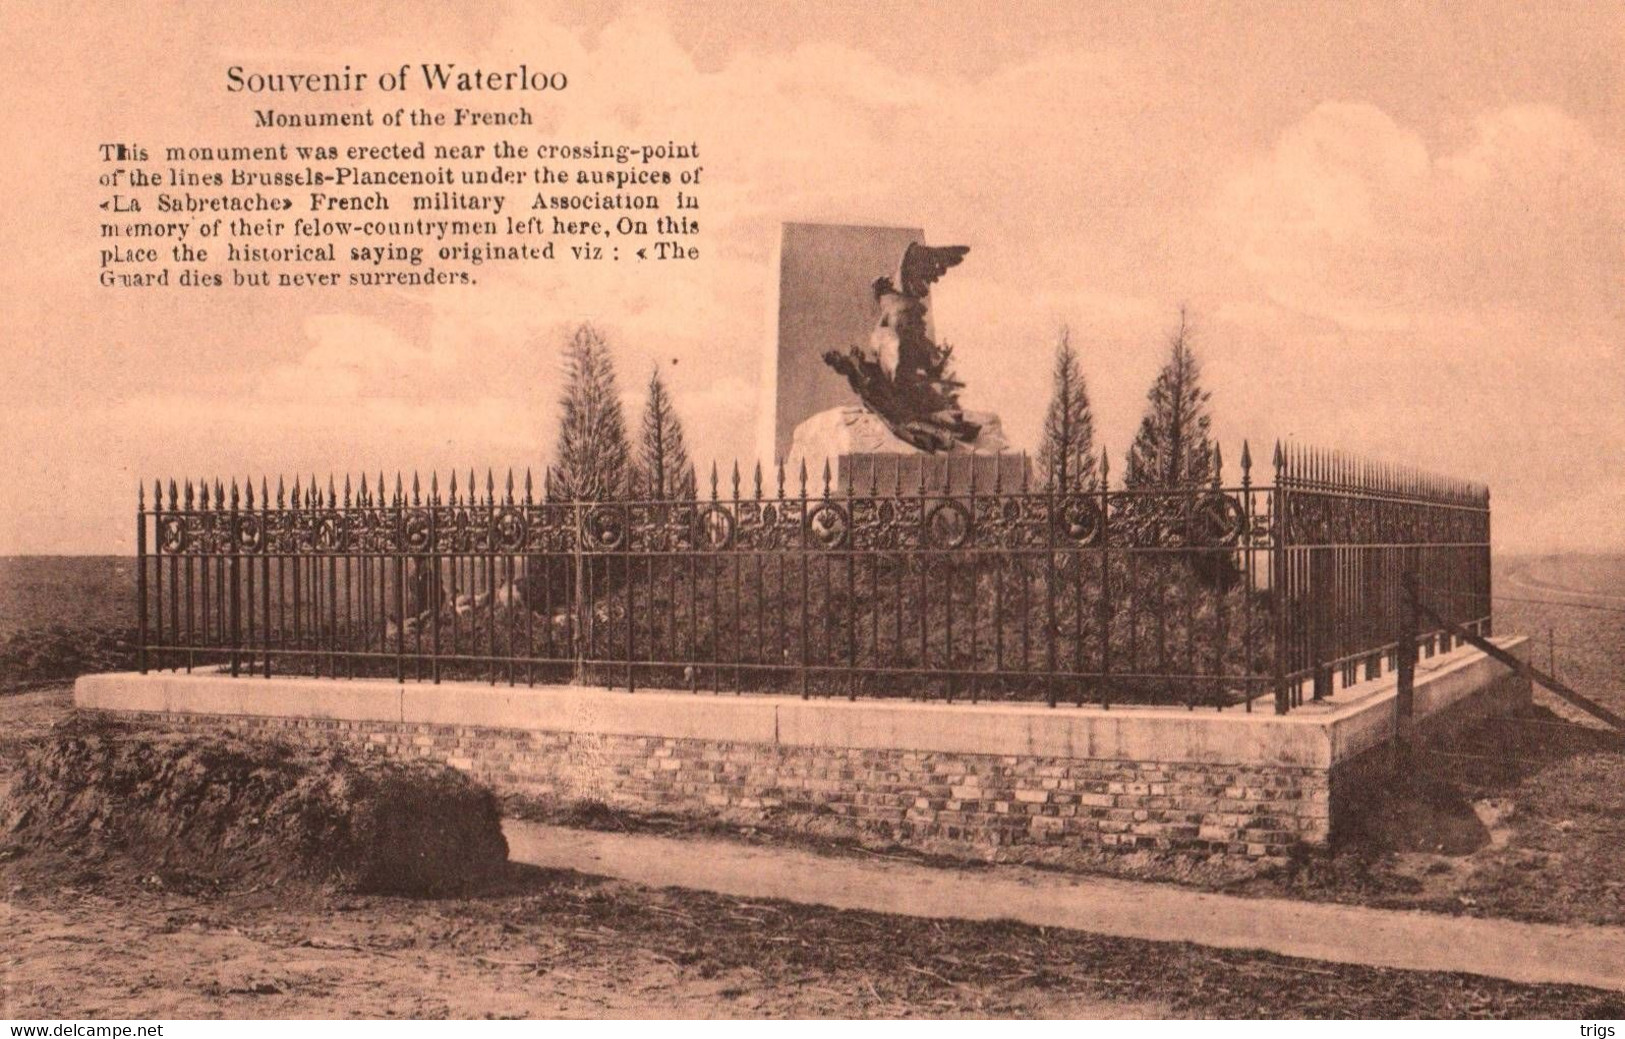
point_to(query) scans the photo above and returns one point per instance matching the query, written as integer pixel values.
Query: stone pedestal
(863, 454)
(825, 301)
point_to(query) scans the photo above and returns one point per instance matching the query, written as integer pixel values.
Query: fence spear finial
(998, 471)
(141, 495)
(400, 489)
(780, 478)
(714, 479)
(248, 491)
(826, 477)
(1105, 467)
(757, 482)
(453, 488)
(529, 494)
(507, 492)
(736, 480)
(490, 487)
(416, 490)
(804, 477)
(235, 501)
(1218, 467)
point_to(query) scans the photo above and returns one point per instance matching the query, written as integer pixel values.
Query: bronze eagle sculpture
(901, 375)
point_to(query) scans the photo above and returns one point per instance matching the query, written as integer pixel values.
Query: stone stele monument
(896, 424)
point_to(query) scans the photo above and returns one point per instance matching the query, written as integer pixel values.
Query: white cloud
(1349, 218)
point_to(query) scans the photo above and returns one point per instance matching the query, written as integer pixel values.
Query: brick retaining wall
(1025, 781)
(972, 799)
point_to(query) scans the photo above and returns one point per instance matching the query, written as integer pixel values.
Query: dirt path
(1535, 953)
(85, 953)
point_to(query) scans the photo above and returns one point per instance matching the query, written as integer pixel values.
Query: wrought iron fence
(1198, 596)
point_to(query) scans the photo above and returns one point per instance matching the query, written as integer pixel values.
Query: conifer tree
(1066, 458)
(593, 456)
(1173, 450)
(665, 472)
(1173, 447)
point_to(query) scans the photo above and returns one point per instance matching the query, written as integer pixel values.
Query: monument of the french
(857, 379)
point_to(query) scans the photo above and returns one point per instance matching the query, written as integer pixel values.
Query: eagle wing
(924, 264)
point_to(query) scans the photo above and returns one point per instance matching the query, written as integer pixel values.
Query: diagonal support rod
(1585, 703)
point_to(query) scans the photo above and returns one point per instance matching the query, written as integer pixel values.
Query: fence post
(400, 581)
(1278, 579)
(236, 587)
(436, 592)
(1487, 570)
(1052, 633)
(265, 565)
(1106, 610)
(806, 588)
(583, 608)
(141, 575)
(629, 578)
(1410, 624)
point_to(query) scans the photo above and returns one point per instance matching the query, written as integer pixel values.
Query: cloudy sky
(1401, 228)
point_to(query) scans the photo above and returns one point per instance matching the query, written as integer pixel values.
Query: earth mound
(241, 812)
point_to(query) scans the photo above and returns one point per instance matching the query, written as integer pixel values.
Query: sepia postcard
(835, 511)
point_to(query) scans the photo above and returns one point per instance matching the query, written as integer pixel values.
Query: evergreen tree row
(1173, 446)
(595, 459)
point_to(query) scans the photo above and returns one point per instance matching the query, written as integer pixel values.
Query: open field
(67, 591)
(1573, 610)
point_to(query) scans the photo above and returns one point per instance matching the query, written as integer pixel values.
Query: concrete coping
(1314, 736)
